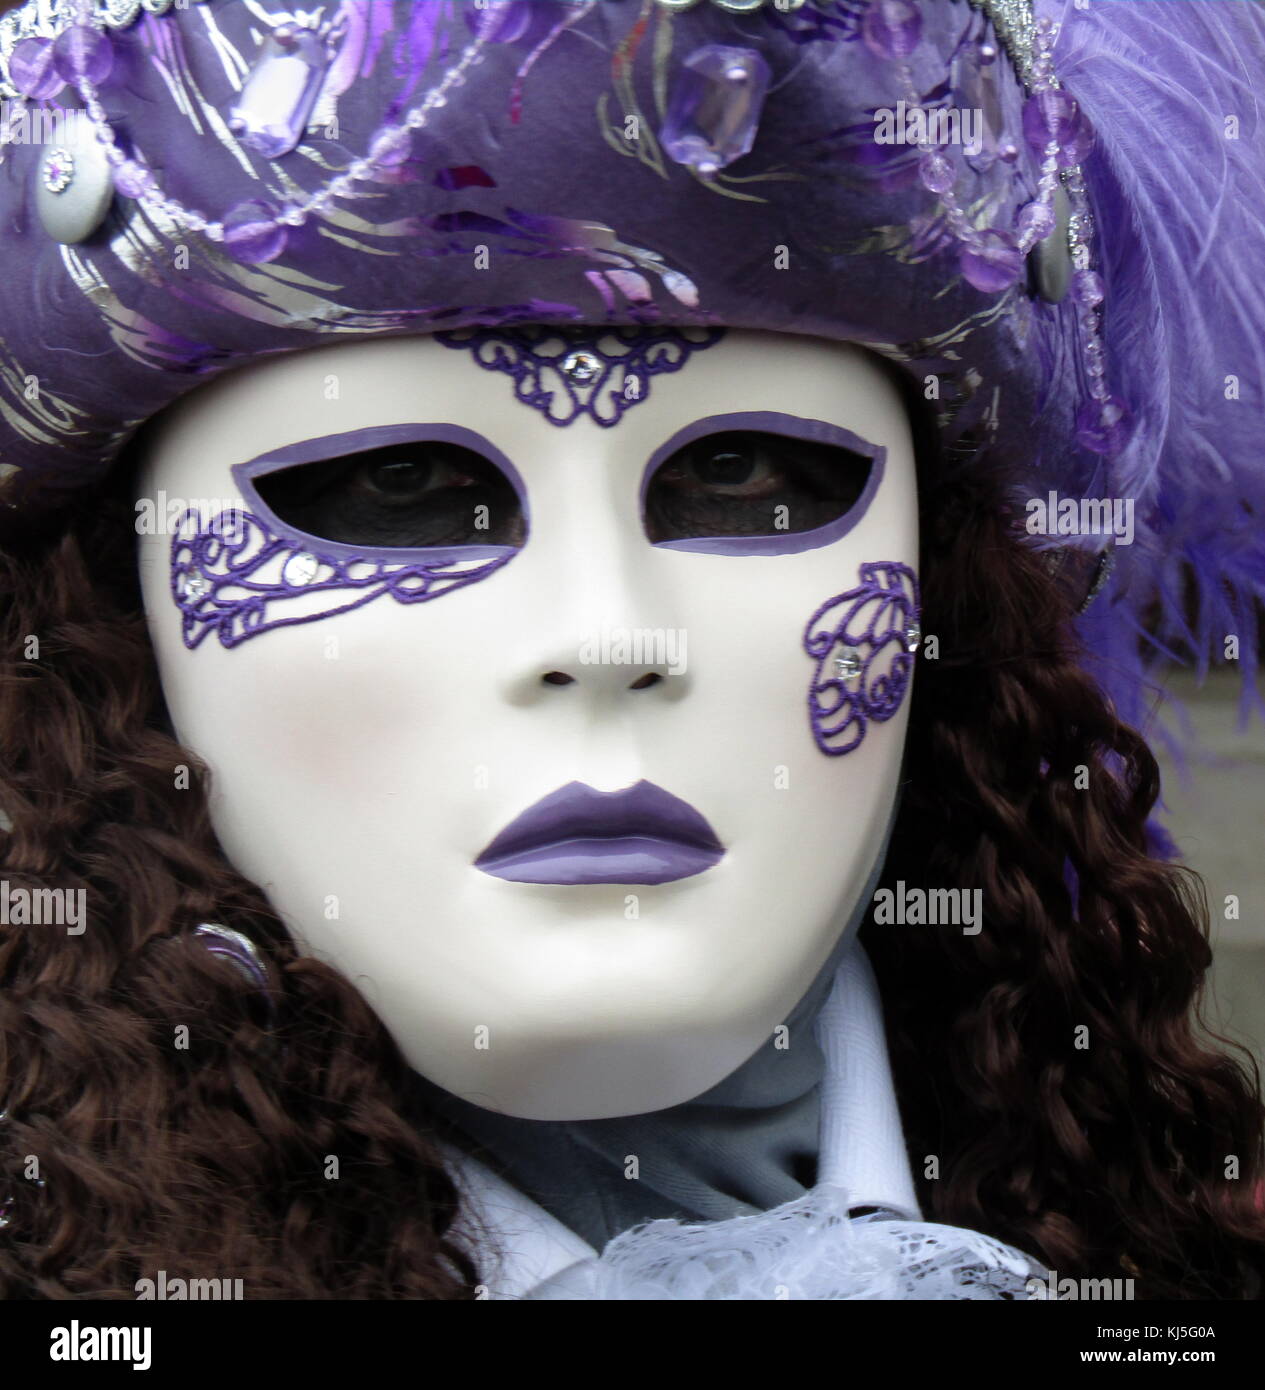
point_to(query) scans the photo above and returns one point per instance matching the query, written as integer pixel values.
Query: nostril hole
(557, 678)
(650, 678)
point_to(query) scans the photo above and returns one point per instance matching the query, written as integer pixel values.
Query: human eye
(735, 483)
(413, 494)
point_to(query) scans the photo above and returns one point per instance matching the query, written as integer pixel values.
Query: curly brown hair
(212, 1157)
(209, 1159)
(1055, 1065)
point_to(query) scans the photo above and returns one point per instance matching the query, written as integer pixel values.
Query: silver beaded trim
(1016, 28)
(45, 19)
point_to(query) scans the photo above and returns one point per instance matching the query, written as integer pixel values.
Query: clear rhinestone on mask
(848, 664)
(300, 569)
(581, 367)
(913, 636)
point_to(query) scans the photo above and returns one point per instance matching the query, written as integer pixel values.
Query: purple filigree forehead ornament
(864, 642)
(568, 372)
(232, 575)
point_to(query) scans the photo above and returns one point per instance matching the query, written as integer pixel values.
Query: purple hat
(1048, 216)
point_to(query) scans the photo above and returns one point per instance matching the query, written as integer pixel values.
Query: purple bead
(1104, 427)
(1088, 287)
(132, 179)
(937, 172)
(992, 262)
(83, 52)
(1053, 115)
(715, 107)
(31, 69)
(891, 28)
(1036, 220)
(252, 234)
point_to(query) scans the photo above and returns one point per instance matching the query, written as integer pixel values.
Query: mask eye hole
(752, 483)
(410, 495)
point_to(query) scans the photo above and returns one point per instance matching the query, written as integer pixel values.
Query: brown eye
(752, 483)
(418, 494)
(400, 477)
(732, 466)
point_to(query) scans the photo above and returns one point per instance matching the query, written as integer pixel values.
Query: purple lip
(578, 835)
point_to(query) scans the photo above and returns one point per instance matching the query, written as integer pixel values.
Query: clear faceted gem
(300, 569)
(272, 112)
(936, 172)
(848, 664)
(196, 587)
(581, 367)
(891, 28)
(975, 79)
(58, 171)
(715, 107)
(913, 635)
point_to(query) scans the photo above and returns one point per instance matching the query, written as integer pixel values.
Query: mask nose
(609, 664)
(599, 619)
(642, 682)
(617, 643)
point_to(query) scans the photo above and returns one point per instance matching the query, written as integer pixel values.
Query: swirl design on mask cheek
(864, 642)
(233, 576)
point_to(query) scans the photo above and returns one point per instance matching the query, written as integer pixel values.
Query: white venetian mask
(414, 609)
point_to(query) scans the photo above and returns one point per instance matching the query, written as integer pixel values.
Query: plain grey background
(1217, 817)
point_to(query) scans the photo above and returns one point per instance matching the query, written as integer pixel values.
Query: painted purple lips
(641, 834)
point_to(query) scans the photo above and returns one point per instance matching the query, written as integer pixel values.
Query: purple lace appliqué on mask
(566, 372)
(864, 641)
(232, 576)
